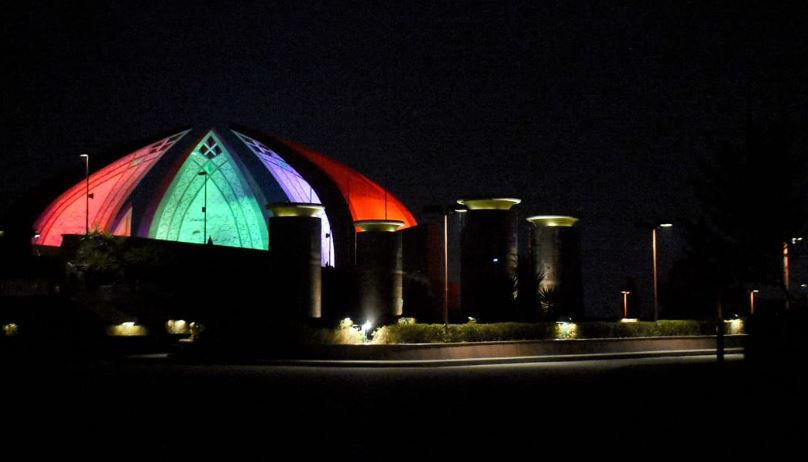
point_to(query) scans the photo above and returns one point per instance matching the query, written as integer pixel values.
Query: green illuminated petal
(234, 216)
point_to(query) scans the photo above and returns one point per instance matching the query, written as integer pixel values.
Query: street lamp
(86, 158)
(785, 265)
(786, 275)
(205, 208)
(752, 301)
(445, 270)
(328, 262)
(445, 211)
(625, 303)
(654, 252)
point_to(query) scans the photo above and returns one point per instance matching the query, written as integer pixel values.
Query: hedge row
(437, 333)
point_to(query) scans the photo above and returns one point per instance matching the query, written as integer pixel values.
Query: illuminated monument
(212, 186)
(235, 188)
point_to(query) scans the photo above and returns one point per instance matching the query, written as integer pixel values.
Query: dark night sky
(595, 109)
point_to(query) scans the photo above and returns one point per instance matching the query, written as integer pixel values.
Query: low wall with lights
(545, 350)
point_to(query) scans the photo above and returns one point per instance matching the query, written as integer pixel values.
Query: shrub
(400, 333)
(473, 332)
(339, 336)
(666, 328)
(409, 333)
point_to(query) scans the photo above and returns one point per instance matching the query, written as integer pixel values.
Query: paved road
(469, 410)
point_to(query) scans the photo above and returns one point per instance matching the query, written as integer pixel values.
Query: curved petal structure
(296, 188)
(212, 186)
(210, 198)
(366, 199)
(110, 188)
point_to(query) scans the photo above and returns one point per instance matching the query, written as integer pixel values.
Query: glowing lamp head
(386, 226)
(498, 203)
(296, 209)
(553, 221)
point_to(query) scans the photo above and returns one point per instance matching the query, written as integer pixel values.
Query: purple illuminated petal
(294, 186)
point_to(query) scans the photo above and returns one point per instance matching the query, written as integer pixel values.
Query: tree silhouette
(751, 199)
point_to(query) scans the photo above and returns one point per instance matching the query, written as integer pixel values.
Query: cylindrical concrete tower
(295, 248)
(556, 259)
(379, 270)
(488, 259)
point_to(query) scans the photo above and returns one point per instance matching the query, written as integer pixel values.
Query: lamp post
(445, 270)
(752, 294)
(625, 303)
(654, 256)
(86, 158)
(446, 212)
(786, 273)
(205, 208)
(328, 262)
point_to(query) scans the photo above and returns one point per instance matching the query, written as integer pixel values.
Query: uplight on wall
(734, 326)
(365, 329)
(177, 327)
(11, 329)
(565, 330)
(126, 329)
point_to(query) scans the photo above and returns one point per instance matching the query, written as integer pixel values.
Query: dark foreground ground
(645, 408)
